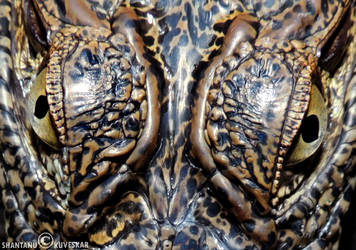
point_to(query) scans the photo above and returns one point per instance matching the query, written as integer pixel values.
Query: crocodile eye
(39, 117)
(312, 130)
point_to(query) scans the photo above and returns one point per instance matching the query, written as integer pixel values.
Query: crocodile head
(178, 124)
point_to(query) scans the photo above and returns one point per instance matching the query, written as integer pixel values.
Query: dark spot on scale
(149, 242)
(212, 41)
(288, 3)
(107, 4)
(213, 209)
(184, 172)
(292, 35)
(181, 238)
(207, 201)
(77, 73)
(275, 66)
(222, 27)
(192, 245)
(352, 120)
(344, 150)
(335, 191)
(234, 231)
(4, 27)
(297, 8)
(193, 171)
(5, 111)
(288, 15)
(322, 244)
(16, 188)
(310, 7)
(183, 199)
(180, 140)
(74, 218)
(315, 193)
(239, 240)
(157, 172)
(10, 204)
(18, 159)
(325, 7)
(7, 132)
(270, 116)
(287, 244)
(276, 25)
(308, 29)
(219, 41)
(32, 192)
(85, 32)
(191, 186)
(302, 208)
(131, 207)
(271, 238)
(8, 192)
(101, 16)
(348, 194)
(214, 53)
(132, 124)
(70, 230)
(198, 72)
(81, 196)
(173, 216)
(148, 40)
(90, 57)
(262, 137)
(250, 225)
(282, 234)
(194, 230)
(258, 6)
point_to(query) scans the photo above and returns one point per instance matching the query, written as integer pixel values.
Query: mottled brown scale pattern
(177, 124)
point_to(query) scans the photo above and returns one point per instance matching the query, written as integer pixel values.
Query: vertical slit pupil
(41, 107)
(310, 129)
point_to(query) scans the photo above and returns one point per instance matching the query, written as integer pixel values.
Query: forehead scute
(93, 81)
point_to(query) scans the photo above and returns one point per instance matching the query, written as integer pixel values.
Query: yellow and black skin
(178, 124)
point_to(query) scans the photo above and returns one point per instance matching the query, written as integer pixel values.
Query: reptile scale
(176, 124)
